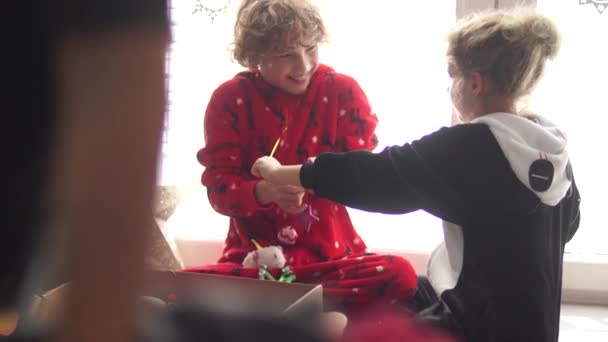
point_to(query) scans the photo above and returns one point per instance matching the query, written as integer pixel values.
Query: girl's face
(290, 69)
(464, 93)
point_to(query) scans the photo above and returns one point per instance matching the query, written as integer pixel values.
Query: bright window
(573, 93)
(396, 51)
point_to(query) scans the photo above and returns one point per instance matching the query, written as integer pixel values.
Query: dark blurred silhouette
(84, 109)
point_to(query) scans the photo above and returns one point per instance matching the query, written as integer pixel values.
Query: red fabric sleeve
(230, 187)
(356, 122)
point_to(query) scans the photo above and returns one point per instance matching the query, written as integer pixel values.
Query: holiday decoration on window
(212, 8)
(600, 5)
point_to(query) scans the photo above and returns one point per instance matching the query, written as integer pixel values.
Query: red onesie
(244, 119)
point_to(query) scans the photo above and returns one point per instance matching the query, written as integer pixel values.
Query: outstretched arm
(272, 171)
(358, 179)
(450, 173)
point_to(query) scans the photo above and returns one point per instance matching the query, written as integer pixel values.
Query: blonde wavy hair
(511, 47)
(264, 26)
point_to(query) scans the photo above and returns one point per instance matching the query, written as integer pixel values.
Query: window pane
(394, 49)
(199, 62)
(573, 93)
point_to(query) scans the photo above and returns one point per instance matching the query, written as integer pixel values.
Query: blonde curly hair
(264, 26)
(511, 47)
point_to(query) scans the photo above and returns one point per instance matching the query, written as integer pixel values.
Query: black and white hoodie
(503, 185)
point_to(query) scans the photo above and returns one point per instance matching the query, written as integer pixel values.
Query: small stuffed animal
(271, 256)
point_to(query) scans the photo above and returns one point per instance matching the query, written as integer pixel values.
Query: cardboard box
(221, 293)
(236, 294)
(46, 307)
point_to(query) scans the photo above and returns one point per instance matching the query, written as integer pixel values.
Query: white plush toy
(271, 256)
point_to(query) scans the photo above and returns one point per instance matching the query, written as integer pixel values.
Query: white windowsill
(200, 234)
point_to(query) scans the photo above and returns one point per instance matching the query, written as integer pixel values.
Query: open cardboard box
(47, 306)
(222, 293)
(236, 293)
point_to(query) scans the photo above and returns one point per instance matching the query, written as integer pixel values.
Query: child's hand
(289, 198)
(264, 167)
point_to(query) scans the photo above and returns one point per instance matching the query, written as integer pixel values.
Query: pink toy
(287, 235)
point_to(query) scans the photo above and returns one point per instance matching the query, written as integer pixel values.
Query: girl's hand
(264, 167)
(288, 197)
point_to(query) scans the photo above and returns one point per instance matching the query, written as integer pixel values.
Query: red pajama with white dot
(245, 118)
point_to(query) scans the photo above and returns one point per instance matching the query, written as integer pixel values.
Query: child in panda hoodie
(501, 181)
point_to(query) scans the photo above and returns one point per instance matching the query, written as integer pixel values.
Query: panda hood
(536, 151)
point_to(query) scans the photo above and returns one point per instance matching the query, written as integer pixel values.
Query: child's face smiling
(290, 69)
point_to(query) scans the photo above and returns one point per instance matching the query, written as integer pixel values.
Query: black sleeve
(451, 173)
(365, 180)
(571, 214)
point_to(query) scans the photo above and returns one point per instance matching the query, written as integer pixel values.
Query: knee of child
(405, 271)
